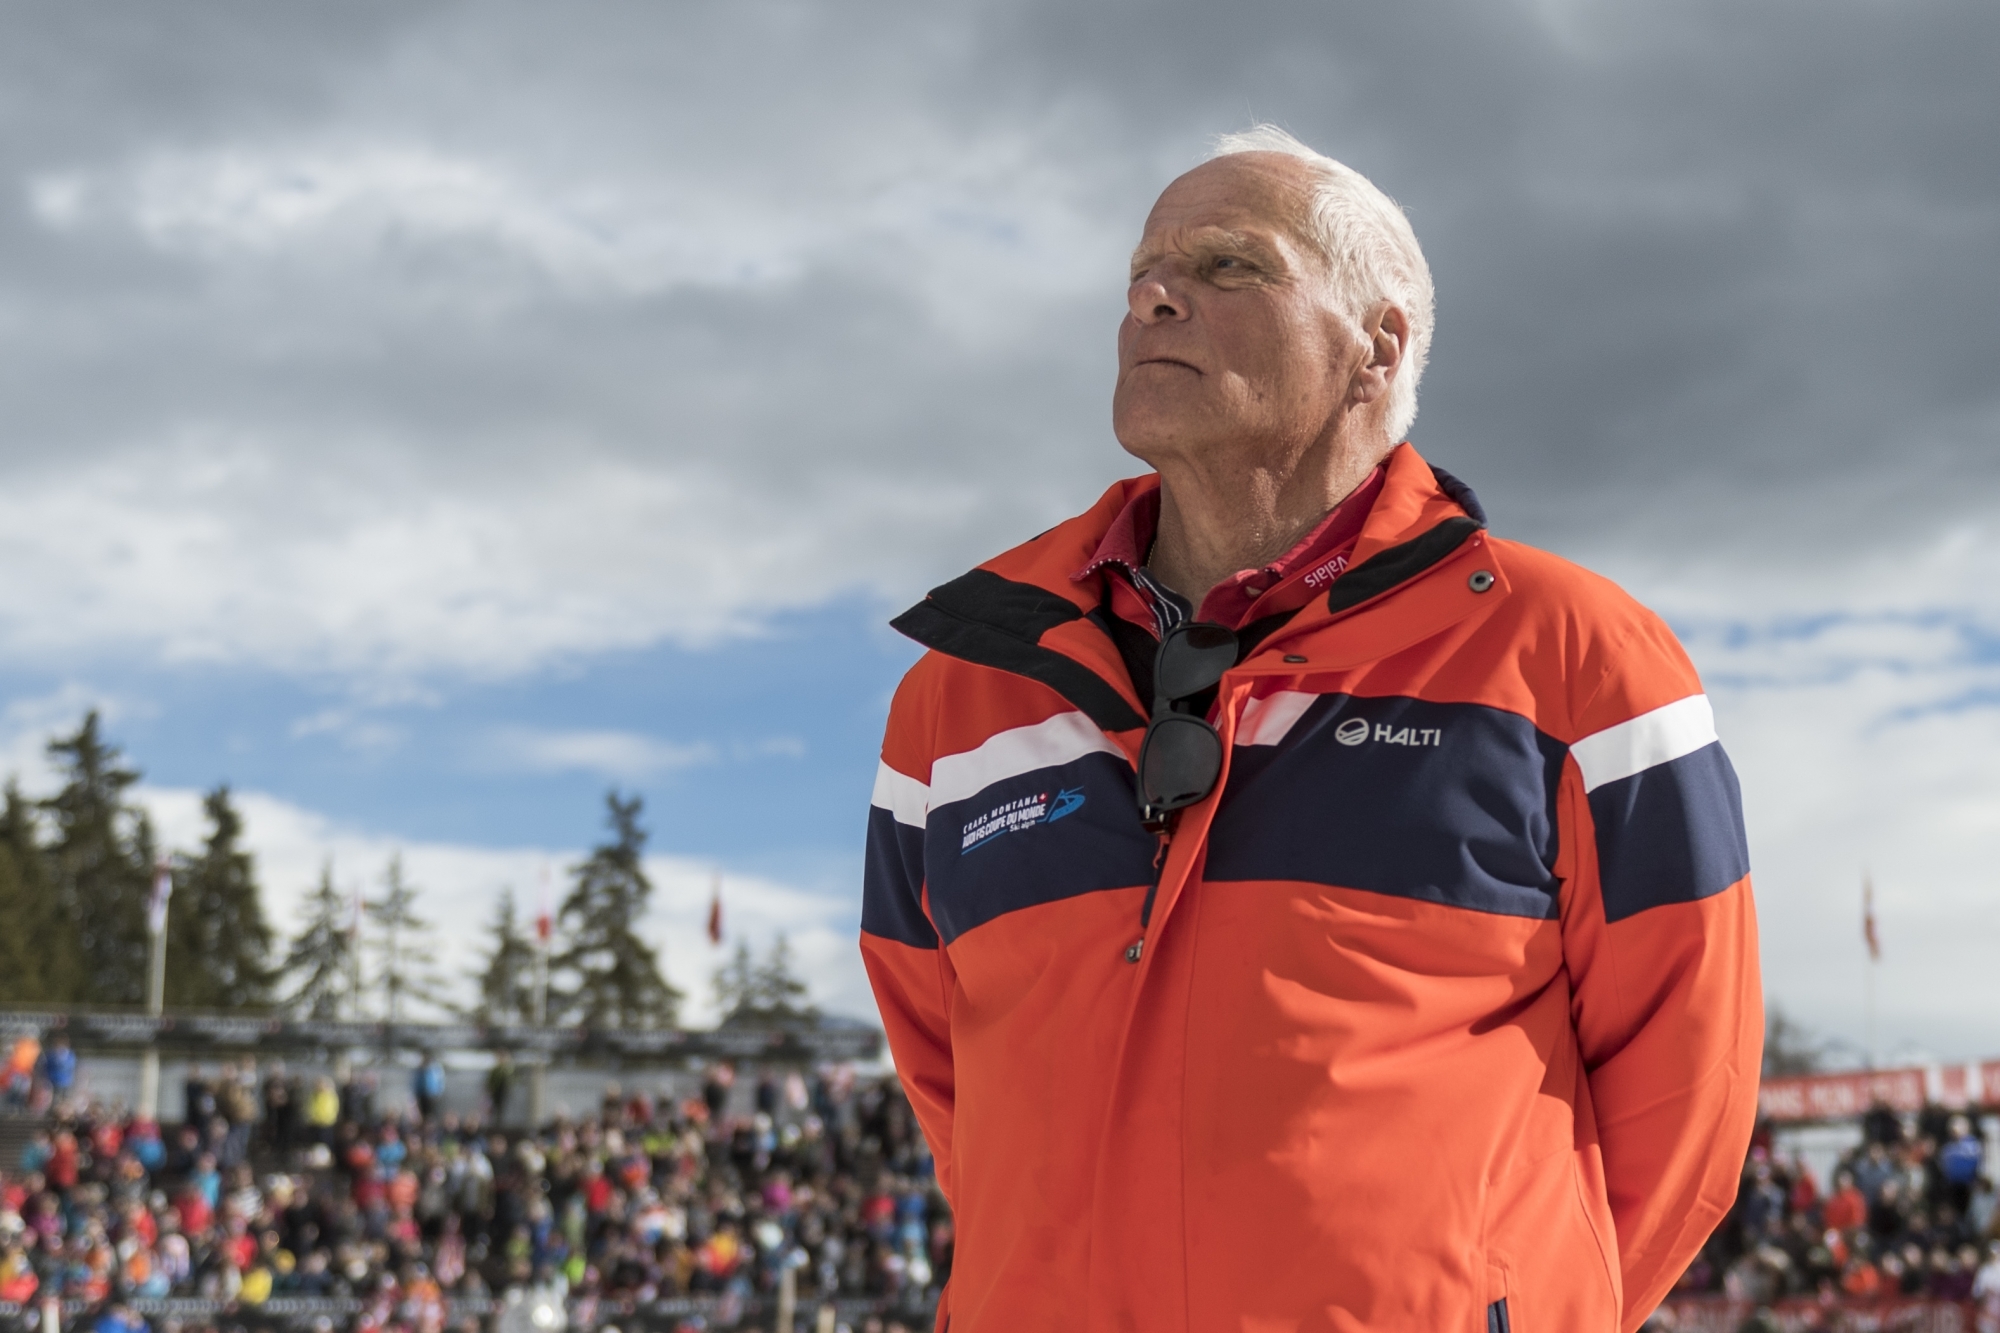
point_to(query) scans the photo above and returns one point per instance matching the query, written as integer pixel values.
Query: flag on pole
(715, 913)
(545, 922)
(1868, 919)
(156, 903)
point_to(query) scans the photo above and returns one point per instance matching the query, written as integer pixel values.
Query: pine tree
(402, 946)
(102, 861)
(20, 955)
(218, 942)
(736, 983)
(751, 994)
(507, 982)
(613, 976)
(778, 989)
(39, 963)
(320, 964)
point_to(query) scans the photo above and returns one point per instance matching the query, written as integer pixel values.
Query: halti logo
(1356, 731)
(1023, 813)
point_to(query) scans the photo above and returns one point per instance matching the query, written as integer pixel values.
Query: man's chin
(1155, 437)
(1164, 406)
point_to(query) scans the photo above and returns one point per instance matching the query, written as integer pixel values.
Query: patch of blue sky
(1738, 633)
(757, 752)
(1832, 647)
(1904, 666)
(1977, 699)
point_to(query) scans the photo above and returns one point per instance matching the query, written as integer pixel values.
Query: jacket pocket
(1496, 1317)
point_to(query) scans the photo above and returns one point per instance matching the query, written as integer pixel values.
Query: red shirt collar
(1293, 579)
(1129, 538)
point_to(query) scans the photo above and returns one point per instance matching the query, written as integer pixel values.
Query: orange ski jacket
(1440, 1013)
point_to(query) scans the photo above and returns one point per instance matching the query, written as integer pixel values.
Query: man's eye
(1226, 261)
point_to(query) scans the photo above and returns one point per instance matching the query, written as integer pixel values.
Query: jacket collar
(1021, 611)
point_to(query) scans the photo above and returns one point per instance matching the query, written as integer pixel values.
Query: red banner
(1840, 1096)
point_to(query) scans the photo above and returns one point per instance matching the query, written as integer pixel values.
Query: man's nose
(1152, 301)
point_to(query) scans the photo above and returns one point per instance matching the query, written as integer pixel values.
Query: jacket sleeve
(1660, 936)
(907, 967)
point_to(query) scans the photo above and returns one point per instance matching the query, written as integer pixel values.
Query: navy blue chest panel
(1447, 803)
(1032, 838)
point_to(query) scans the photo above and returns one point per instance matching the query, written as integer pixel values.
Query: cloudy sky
(425, 417)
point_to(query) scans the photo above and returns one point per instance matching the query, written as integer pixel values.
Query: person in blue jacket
(59, 1067)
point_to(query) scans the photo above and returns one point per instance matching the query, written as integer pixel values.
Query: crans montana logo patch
(1020, 814)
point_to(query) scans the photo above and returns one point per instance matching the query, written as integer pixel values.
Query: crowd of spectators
(273, 1185)
(1909, 1212)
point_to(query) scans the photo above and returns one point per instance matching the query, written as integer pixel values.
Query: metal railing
(1811, 1314)
(218, 1033)
(583, 1312)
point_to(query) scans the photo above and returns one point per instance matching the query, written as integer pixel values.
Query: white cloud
(349, 205)
(213, 551)
(619, 754)
(976, 227)
(354, 730)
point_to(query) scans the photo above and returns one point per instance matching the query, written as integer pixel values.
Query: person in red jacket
(1291, 907)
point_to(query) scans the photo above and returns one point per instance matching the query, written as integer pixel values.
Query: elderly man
(1290, 906)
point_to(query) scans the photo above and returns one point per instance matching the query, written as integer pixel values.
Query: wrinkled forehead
(1269, 193)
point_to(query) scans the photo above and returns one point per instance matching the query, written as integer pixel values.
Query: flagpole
(1874, 958)
(544, 938)
(1871, 1013)
(156, 986)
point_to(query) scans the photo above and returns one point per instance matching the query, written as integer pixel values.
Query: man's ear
(1387, 330)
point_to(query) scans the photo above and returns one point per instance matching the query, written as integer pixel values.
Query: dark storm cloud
(1727, 266)
(1705, 272)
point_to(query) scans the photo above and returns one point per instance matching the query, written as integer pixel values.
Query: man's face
(1231, 338)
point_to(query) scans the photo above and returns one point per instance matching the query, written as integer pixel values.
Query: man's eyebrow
(1145, 254)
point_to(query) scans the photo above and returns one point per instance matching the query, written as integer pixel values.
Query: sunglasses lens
(1192, 658)
(1180, 761)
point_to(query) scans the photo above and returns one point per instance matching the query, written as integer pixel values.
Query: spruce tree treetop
(101, 862)
(507, 982)
(763, 994)
(218, 941)
(611, 977)
(319, 966)
(403, 947)
(736, 983)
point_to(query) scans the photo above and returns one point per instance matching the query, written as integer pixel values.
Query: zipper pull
(1166, 838)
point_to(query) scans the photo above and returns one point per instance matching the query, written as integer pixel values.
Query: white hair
(1370, 251)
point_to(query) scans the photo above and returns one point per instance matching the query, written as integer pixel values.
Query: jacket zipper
(1137, 948)
(1166, 837)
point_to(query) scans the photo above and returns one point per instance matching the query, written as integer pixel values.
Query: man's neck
(1226, 516)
